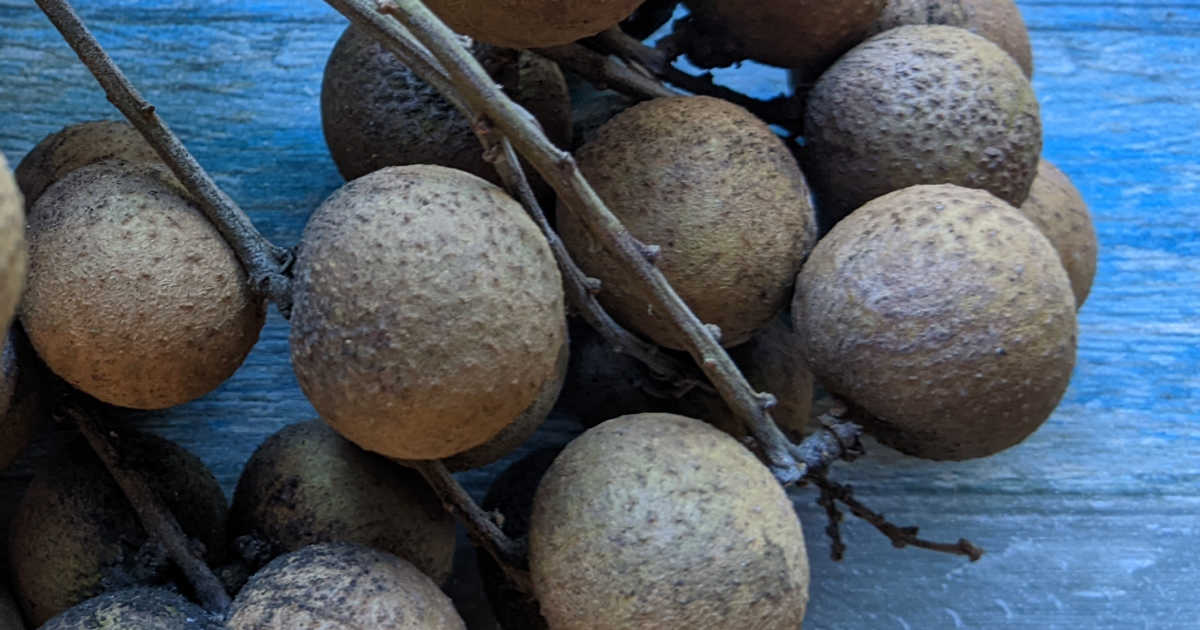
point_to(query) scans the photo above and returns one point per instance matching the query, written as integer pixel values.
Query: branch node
(593, 285)
(766, 400)
(650, 252)
(714, 331)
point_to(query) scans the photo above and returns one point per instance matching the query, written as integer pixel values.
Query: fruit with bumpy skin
(662, 521)
(339, 585)
(133, 295)
(13, 255)
(806, 35)
(376, 112)
(722, 197)
(945, 314)
(23, 399)
(75, 535)
(135, 609)
(996, 20)
(531, 23)
(521, 429)
(1057, 208)
(920, 105)
(428, 311)
(76, 146)
(306, 484)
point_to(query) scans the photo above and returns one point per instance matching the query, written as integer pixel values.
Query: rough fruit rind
(1060, 212)
(946, 314)
(662, 521)
(133, 295)
(13, 255)
(531, 23)
(920, 105)
(338, 585)
(718, 192)
(428, 311)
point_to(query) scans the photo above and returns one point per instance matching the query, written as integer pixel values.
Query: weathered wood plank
(1090, 523)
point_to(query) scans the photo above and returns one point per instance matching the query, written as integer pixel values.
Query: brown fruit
(998, 21)
(307, 485)
(1057, 208)
(133, 295)
(375, 112)
(531, 23)
(76, 146)
(135, 609)
(339, 585)
(75, 535)
(23, 401)
(521, 429)
(13, 255)
(10, 613)
(920, 105)
(661, 521)
(428, 311)
(946, 315)
(719, 193)
(806, 35)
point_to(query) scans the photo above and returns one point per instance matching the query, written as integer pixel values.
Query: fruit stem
(157, 520)
(605, 70)
(559, 170)
(782, 110)
(511, 555)
(265, 263)
(832, 492)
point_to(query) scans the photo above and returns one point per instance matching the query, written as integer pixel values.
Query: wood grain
(1090, 523)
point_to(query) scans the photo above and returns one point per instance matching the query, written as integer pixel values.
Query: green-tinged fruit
(306, 484)
(946, 315)
(662, 521)
(75, 535)
(339, 585)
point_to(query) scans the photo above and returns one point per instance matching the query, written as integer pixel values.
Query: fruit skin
(79, 145)
(920, 105)
(428, 311)
(1059, 211)
(13, 254)
(339, 585)
(23, 394)
(999, 21)
(946, 315)
(719, 193)
(133, 296)
(661, 521)
(306, 484)
(806, 35)
(134, 609)
(10, 613)
(521, 429)
(376, 112)
(531, 23)
(75, 534)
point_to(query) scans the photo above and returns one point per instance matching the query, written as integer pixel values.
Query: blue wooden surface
(1091, 523)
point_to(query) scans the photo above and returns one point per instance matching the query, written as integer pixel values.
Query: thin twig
(511, 555)
(266, 264)
(900, 536)
(157, 520)
(781, 110)
(559, 170)
(606, 71)
(833, 528)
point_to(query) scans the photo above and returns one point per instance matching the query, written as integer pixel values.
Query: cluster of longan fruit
(915, 257)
